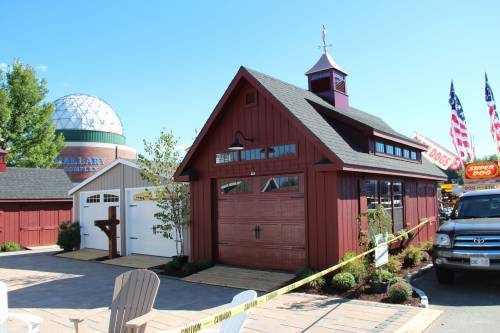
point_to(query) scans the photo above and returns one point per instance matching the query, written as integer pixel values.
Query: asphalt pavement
(470, 304)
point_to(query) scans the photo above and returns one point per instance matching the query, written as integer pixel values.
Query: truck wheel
(444, 275)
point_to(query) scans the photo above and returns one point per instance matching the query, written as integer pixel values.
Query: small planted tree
(379, 222)
(158, 167)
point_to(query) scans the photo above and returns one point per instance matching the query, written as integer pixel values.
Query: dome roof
(85, 112)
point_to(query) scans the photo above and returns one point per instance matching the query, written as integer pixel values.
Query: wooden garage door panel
(262, 257)
(265, 230)
(263, 207)
(236, 232)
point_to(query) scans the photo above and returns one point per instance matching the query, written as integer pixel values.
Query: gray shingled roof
(300, 103)
(32, 183)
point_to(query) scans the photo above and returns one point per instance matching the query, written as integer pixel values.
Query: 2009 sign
(481, 170)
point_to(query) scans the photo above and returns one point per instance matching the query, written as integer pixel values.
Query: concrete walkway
(56, 288)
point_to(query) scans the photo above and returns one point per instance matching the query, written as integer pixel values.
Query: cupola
(328, 80)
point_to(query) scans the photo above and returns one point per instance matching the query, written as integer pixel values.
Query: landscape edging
(424, 301)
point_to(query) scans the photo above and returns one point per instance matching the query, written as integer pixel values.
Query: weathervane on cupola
(324, 40)
(328, 80)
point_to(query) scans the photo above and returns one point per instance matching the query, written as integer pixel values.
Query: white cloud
(42, 68)
(3, 66)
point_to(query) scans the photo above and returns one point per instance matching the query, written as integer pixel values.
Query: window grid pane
(110, 198)
(282, 151)
(236, 186)
(285, 183)
(226, 157)
(379, 147)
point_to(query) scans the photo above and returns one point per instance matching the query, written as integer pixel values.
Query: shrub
(357, 267)
(399, 292)
(426, 246)
(10, 246)
(189, 268)
(381, 276)
(394, 265)
(396, 279)
(203, 264)
(172, 266)
(306, 272)
(412, 256)
(343, 281)
(69, 236)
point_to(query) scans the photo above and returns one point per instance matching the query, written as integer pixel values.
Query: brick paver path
(57, 288)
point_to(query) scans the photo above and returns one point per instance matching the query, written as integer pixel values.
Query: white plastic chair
(234, 324)
(32, 322)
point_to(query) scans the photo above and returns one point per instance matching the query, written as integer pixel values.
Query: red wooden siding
(420, 202)
(348, 212)
(32, 224)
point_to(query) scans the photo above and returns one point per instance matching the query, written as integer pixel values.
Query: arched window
(110, 198)
(94, 198)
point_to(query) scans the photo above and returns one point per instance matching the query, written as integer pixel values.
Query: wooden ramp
(243, 278)
(138, 261)
(84, 254)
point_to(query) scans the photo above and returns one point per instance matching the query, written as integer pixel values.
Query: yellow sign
(221, 316)
(142, 196)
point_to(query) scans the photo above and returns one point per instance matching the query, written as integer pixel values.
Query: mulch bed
(179, 273)
(363, 290)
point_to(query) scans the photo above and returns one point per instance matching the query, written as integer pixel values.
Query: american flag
(458, 129)
(495, 123)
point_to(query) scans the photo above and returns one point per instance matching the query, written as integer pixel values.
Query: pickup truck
(470, 239)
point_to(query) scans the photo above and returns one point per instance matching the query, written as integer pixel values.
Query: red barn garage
(33, 203)
(279, 174)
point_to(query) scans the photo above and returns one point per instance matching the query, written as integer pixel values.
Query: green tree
(158, 167)
(486, 158)
(26, 128)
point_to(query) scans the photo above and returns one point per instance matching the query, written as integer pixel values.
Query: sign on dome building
(93, 135)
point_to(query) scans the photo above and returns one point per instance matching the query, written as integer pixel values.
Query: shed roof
(308, 108)
(33, 183)
(303, 103)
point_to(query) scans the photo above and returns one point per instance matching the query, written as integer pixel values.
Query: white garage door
(140, 222)
(94, 206)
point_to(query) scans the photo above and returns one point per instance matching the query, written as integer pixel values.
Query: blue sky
(165, 64)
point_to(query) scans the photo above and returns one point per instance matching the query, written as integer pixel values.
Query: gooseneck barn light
(236, 145)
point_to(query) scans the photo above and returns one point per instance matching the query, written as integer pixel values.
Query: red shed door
(29, 225)
(261, 222)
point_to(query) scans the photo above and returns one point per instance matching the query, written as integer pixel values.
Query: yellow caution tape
(219, 317)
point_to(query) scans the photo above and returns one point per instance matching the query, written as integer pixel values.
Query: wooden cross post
(109, 228)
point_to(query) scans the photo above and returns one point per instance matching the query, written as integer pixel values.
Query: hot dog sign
(437, 154)
(481, 170)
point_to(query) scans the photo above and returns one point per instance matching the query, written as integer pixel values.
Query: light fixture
(236, 145)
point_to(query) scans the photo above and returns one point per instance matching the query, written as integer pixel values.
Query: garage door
(261, 222)
(32, 224)
(94, 206)
(140, 223)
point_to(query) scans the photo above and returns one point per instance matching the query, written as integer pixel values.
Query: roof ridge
(276, 79)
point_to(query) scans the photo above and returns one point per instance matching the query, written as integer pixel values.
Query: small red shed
(33, 203)
(279, 174)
